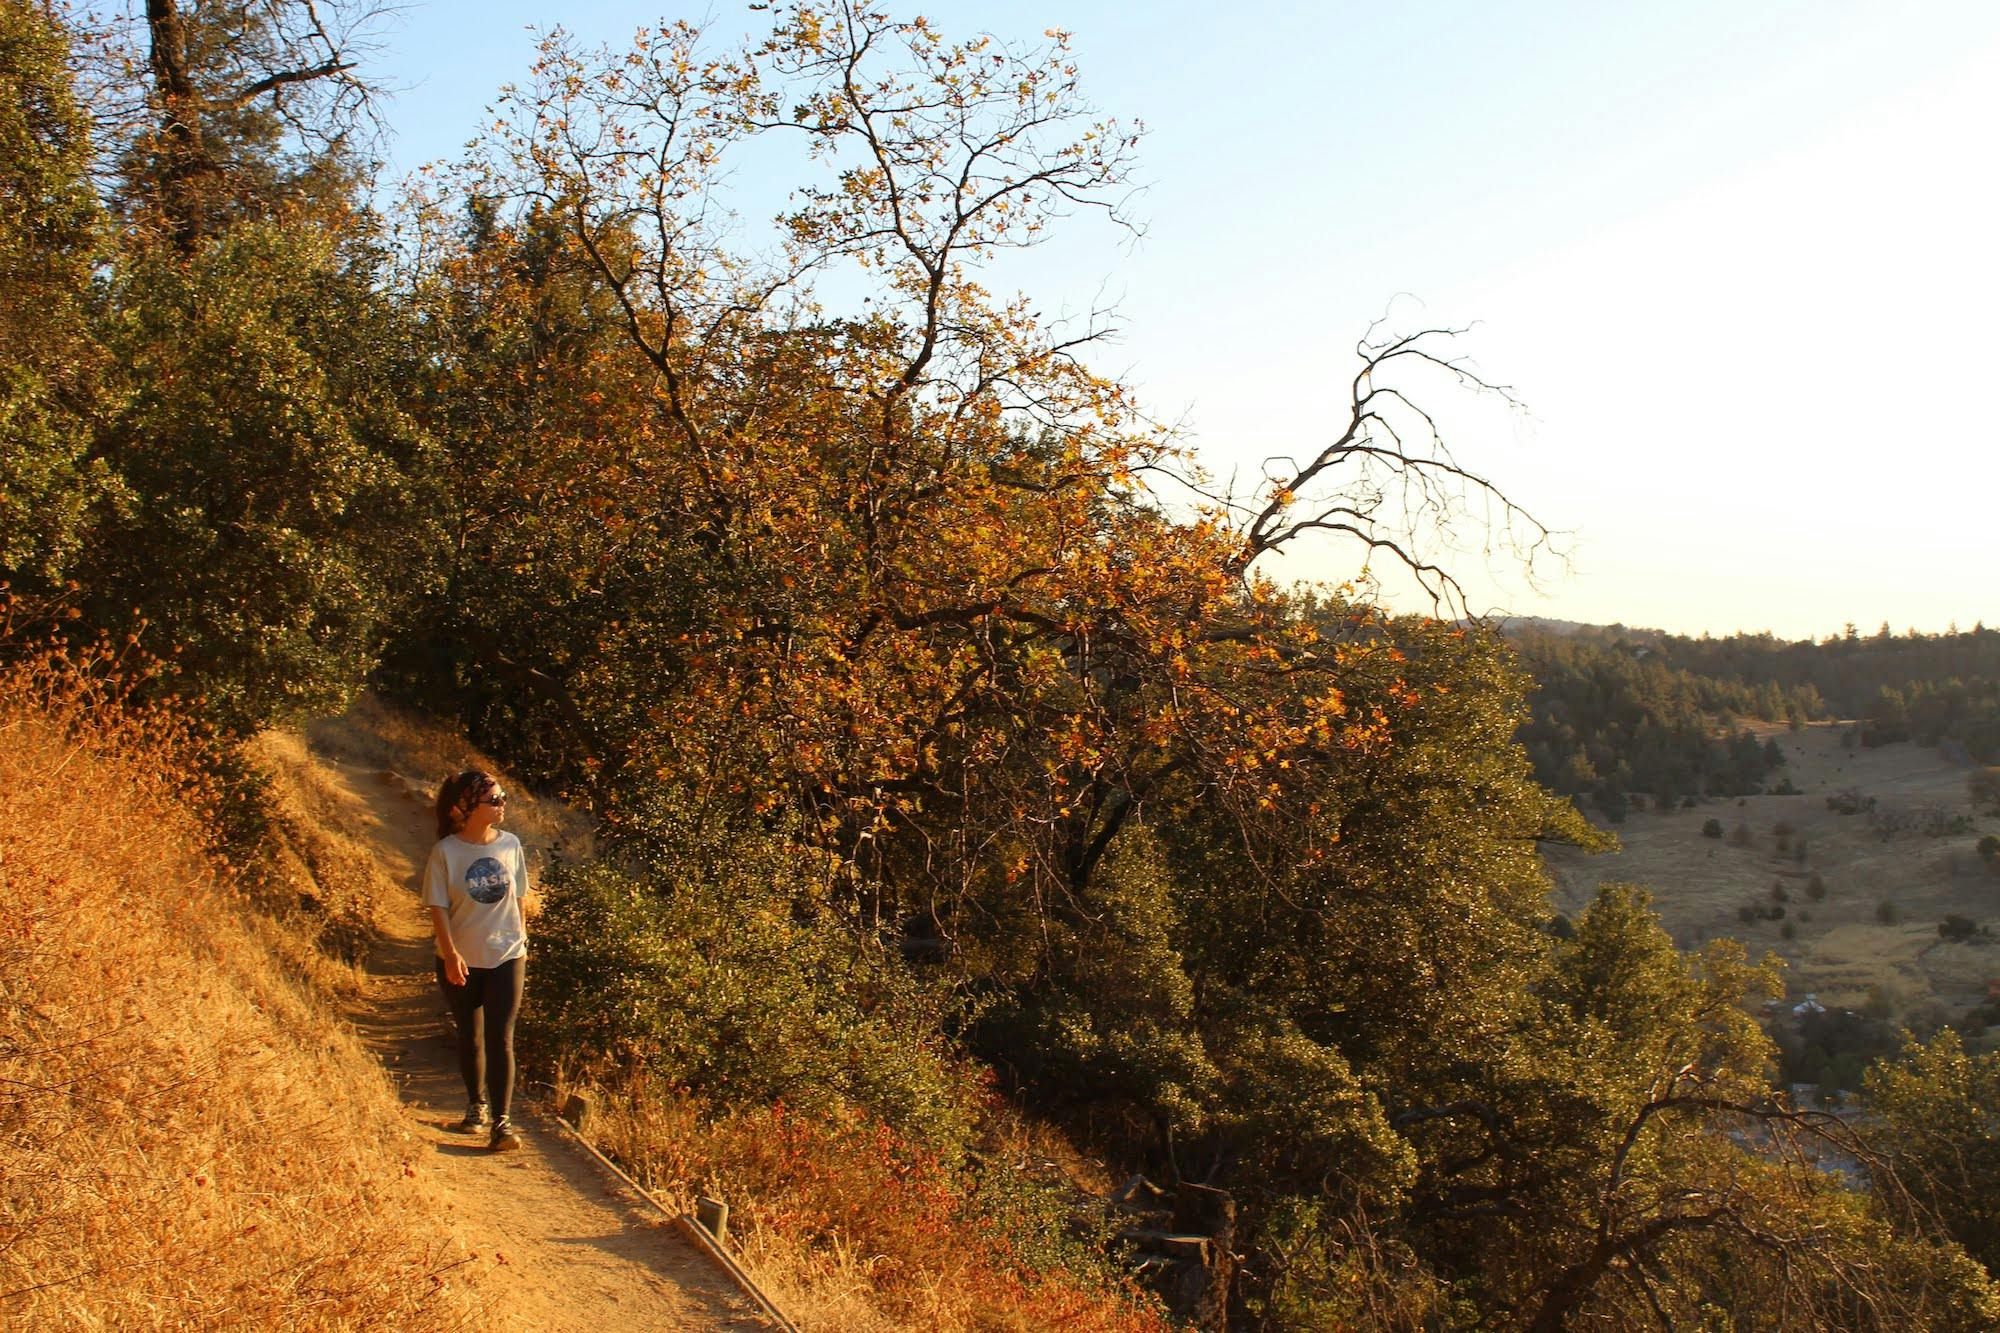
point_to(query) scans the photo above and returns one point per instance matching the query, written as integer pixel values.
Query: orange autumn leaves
(891, 569)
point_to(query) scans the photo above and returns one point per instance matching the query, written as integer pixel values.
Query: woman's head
(464, 793)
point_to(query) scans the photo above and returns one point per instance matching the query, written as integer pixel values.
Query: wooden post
(1203, 1210)
(713, 1214)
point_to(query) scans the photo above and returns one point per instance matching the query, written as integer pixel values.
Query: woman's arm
(454, 965)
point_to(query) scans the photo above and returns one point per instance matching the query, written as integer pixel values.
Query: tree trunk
(185, 165)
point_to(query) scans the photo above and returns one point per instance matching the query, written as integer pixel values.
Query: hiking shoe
(475, 1120)
(505, 1138)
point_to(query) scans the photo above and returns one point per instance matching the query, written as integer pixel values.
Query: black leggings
(490, 1044)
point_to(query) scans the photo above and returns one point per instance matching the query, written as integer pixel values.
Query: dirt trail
(565, 1246)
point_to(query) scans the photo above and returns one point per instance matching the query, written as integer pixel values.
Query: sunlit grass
(191, 1138)
(850, 1228)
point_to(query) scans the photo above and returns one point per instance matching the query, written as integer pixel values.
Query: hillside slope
(190, 1139)
(1842, 943)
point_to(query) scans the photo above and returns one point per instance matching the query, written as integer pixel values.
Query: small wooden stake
(713, 1214)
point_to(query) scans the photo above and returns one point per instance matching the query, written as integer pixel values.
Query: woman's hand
(447, 952)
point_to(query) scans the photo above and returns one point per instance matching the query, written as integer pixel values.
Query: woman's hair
(455, 798)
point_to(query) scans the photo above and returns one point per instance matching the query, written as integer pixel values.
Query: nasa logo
(487, 881)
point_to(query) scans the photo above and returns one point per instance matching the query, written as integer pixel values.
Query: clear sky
(1737, 257)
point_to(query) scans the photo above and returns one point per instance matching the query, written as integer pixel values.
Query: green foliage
(719, 973)
(1931, 1115)
(1119, 1027)
(49, 359)
(1638, 697)
(1049, 1225)
(1608, 705)
(1887, 912)
(1711, 828)
(1835, 1048)
(1341, 1273)
(1886, 719)
(274, 535)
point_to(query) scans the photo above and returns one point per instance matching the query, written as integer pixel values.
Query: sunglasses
(491, 798)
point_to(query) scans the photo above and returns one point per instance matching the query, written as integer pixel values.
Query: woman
(473, 886)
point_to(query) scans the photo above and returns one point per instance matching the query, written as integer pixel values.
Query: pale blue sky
(1736, 256)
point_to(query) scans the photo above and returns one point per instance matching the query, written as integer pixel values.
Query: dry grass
(1840, 950)
(850, 1230)
(191, 1140)
(408, 749)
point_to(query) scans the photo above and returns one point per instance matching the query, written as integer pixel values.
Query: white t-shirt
(479, 884)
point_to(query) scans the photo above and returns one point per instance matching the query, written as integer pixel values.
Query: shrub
(1956, 927)
(1779, 893)
(1816, 887)
(1740, 835)
(1789, 930)
(1711, 828)
(1748, 913)
(1835, 1047)
(711, 978)
(1887, 912)
(1989, 849)
(876, 1232)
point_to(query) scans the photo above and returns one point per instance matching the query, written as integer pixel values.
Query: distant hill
(1619, 711)
(1849, 881)
(1515, 626)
